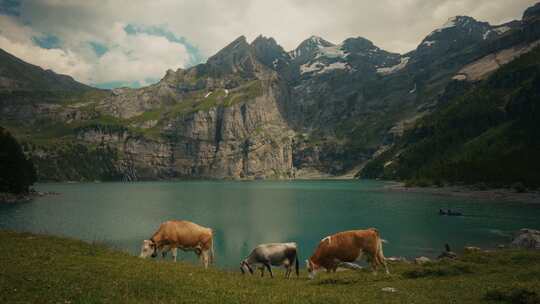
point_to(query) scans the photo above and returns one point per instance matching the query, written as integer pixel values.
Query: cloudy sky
(133, 42)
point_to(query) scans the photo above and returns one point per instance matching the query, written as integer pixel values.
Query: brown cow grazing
(347, 247)
(184, 235)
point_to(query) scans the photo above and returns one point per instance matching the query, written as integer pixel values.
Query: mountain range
(255, 110)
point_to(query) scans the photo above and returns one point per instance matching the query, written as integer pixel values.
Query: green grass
(146, 116)
(247, 92)
(45, 269)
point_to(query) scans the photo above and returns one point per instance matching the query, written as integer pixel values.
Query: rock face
(526, 239)
(252, 110)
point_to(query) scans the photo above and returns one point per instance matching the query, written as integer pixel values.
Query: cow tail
(380, 255)
(380, 248)
(296, 264)
(212, 250)
(380, 241)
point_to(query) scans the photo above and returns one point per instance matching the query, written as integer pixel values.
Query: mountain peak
(239, 45)
(236, 56)
(532, 12)
(457, 21)
(310, 46)
(457, 32)
(269, 52)
(316, 40)
(240, 41)
(358, 44)
(261, 41)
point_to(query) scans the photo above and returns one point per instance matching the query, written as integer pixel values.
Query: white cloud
(17, 40)
(396, 26)
(138, 57)
(130, 58)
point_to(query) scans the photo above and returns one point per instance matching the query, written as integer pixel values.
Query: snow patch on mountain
(321, 68)
(316, 40)
(312, 43)
(429, 43)
(295, 53)
(395, 68)
(331, 52)
(502, 29)
(334, 66)
(486, 34)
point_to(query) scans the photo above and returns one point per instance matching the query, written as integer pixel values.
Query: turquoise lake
(244, 214)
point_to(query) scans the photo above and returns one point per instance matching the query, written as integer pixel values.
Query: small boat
(449, 212)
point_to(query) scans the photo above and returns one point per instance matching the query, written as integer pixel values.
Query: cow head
(149, 248)
(244, 267)
(312, 268)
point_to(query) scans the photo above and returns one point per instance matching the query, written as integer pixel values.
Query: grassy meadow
(46, 269)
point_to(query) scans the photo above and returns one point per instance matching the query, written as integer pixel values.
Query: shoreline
(11, 198)
(495, 194)
(499, 194)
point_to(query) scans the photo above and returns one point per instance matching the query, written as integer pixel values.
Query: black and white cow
(274, 254)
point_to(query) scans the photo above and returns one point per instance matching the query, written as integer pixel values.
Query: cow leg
(373, 263)
(164, 251)
(269, 269)
(288, 267)
(262, 271)
(381, 261)
(174, 253)
(199, 256)
(202, 258)
(205, 259)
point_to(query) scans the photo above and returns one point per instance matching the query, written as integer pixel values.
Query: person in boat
(449, 212)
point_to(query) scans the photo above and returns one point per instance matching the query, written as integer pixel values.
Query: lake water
(244, 214)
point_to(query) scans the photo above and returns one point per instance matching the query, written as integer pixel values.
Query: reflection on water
(244, 214)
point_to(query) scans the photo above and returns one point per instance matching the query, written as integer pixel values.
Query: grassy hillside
(42, 269)
(489, 133)
(17, 75)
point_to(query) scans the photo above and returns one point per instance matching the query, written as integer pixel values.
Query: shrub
(515, 296)
(17, 173)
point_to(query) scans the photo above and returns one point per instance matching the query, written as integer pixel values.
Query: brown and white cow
(183, 235)
(347, 247)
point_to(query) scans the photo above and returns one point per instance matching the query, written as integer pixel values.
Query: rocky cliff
(253, 110)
